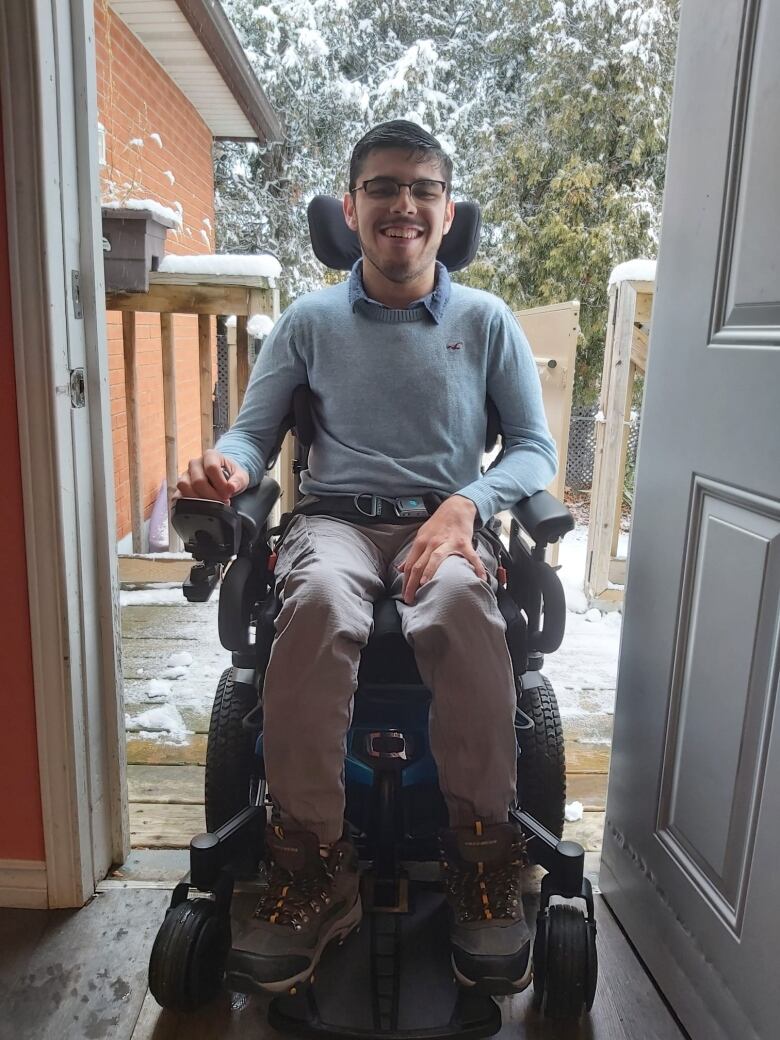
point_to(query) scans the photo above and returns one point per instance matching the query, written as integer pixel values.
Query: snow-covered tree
(575, 187)
(555, 112)
(334, 68)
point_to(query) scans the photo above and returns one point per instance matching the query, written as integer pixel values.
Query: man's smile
(403, 231)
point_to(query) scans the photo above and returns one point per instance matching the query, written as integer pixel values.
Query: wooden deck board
(588, 788)
(165, 826)
(182, 784)
(141, 751)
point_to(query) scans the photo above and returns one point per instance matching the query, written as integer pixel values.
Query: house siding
(136, 98)
(21, 819)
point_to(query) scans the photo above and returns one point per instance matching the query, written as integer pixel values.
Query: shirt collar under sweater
(434, 302)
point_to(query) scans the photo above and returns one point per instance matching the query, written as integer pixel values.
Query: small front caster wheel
(565, 964)
(188, 958)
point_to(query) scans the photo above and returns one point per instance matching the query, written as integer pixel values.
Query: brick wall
(137, 99)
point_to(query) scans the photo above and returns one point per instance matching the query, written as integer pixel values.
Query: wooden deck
(165, 778)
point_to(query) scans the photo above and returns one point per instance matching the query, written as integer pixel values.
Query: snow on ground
(583, 671)
(587, 659)
(158, 596)
(164, 723)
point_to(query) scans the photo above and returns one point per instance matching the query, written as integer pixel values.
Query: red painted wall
(136, 99)
(21, 823)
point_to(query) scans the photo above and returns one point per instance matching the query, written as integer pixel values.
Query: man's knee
(455, 602)
(324, 601)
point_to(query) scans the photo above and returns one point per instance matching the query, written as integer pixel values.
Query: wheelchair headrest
(337, 246)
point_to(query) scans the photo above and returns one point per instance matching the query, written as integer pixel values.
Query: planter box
(133, 245)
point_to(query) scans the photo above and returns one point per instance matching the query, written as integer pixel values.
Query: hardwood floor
(81, 975)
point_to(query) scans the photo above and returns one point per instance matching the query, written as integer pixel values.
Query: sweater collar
(434, 302)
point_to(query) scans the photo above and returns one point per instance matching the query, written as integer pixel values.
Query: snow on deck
(261, 265)
(173, 657)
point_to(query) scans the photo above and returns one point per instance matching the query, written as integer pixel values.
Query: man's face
(399, 236)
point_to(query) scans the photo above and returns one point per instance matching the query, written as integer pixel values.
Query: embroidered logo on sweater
(454, 346)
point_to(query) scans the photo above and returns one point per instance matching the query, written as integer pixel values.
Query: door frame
(49, 99)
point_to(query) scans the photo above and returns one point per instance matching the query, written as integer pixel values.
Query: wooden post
(133, 431)
(607, 480)
(232, 374)
(242, 357)
(169, 409)
(206, 385)
(622, 463)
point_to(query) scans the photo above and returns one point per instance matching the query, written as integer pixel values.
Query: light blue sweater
(399, 396)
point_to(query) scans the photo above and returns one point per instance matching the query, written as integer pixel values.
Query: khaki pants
(329, 573)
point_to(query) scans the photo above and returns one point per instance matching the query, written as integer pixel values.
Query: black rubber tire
(541, 768)
(188, 958)
(230, 751)
(563, 992)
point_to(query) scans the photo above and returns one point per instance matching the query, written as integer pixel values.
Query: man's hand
(448, 532)
(213, 476)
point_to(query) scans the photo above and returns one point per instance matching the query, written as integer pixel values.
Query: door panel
(691, 846)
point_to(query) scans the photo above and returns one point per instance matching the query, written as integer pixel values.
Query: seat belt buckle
(411, 508)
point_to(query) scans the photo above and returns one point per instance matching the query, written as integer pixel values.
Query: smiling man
(400, 362)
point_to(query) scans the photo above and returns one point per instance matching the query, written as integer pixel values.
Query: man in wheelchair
(400, 362)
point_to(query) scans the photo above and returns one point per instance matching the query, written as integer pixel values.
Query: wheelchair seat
(388, 660)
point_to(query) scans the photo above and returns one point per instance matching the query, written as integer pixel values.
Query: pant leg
(328, 576)
(458, 636)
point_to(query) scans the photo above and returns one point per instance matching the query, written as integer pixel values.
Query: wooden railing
(203, 295)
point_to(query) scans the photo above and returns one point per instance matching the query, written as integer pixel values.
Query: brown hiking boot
(311, 899)
(491, 943)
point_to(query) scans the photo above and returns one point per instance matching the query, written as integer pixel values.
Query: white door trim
(43, 46)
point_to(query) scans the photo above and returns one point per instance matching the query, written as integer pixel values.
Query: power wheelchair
(393, 978)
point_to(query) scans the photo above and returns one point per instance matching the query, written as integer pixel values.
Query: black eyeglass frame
(402, 184)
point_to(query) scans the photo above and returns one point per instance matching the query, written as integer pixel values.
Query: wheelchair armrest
(254, 507)
(543, 517)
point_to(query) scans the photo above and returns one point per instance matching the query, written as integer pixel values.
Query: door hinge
(75, 287)
(77, 388)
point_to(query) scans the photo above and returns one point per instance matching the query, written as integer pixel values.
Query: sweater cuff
(482, 500)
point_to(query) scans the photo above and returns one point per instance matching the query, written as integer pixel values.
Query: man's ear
(449, 216)
(350, 216)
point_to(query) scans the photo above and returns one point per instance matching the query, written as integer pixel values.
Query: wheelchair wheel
(565, 963)
(230, 751)
(541, 769)
(189, 955)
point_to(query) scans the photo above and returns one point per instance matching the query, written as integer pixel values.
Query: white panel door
(691, 860)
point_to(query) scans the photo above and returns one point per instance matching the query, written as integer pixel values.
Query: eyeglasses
(387, 188)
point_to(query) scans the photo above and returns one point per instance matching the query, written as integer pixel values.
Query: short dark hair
(399, 133)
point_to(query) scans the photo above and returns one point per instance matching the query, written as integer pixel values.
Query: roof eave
(212, 27)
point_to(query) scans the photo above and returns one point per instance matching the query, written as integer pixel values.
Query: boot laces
(485, 891)
(294, 896)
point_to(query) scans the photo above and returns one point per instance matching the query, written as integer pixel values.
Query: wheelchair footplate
(391, 978)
